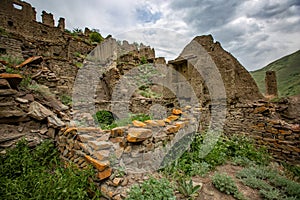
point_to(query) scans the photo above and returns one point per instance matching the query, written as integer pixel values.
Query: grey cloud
(205, 15)
(275, 9)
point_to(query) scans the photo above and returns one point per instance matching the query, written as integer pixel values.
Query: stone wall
(137, 148)
(23, 114)
(263, 121)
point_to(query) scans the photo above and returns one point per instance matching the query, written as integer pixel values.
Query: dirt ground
(209, 192)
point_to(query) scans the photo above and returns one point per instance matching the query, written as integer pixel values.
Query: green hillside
(288, 74)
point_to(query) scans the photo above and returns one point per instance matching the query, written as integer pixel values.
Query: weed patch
(38, 174)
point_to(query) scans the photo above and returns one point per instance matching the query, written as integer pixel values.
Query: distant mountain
(288, 74)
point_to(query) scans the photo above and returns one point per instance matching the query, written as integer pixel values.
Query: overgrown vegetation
(107, 120)
(152, 189)
(38, 174)
(239, 149)
(271, 185)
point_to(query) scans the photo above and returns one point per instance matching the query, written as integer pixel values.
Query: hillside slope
(288, 74)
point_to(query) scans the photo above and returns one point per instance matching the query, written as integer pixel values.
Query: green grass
(38, 174)
(288, 75)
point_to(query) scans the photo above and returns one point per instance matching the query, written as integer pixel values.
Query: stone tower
(271, 83)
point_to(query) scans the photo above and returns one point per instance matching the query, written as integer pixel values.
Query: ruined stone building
(204, 80)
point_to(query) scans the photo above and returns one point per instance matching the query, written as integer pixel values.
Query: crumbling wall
(271, 84)
(47, 19)
(17, 9)
(238, 83)
(268, 126)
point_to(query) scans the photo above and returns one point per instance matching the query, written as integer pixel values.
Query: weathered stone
(11, 113)
(99, 165)
(8, 92)
(118, 131)
(102, 154)
(105, 173)
(295, 128)
(20, 100)
(38, 111)
(34, 59)
(261, 109)
(173, 117)
(176, 111)
(85, 148)
(138, 134)
(171, 129)
(160, 136)
(155, 122)
(85, 138)
(128, 149)
(106, 192)
(54, 121)
(138, 123)
(99, 145)
(51, 133)
(29, 97)
(117, 181)
(104, 137)
(13, 79)
(285, 132)
(4, 84)
(180, 124)
(117, 140)
(167, 120)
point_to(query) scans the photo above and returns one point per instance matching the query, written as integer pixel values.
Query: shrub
(96, 37)
(38, 174)
(224, 183)
(144, 60)
(104, 118)
(152, 189)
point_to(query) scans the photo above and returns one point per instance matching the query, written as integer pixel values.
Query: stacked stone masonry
(50, 57)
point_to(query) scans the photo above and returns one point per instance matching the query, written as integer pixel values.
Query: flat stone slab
(138, 134)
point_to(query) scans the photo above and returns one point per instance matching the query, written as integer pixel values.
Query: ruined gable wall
(237, 80)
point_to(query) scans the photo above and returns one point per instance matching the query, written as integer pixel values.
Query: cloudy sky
(256, 32)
